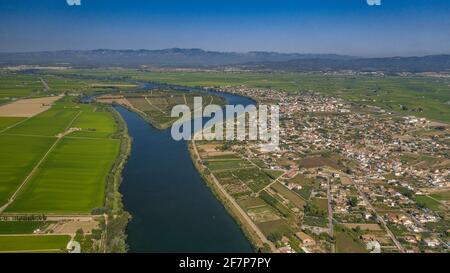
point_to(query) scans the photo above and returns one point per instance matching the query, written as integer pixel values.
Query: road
(379, 218)
(330, 209)
(36, 167)
(46, 87)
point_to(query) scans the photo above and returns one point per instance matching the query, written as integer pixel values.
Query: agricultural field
(428, 202)
(34, 243)
(94, 124)
(17, 86)
(428, 94)
(253, 178)
(420, 96)
(49, 123)
(294, 198)
(6, 122)
(226, 164)
(442, 196)
(21, 227)
(18, 156)
(346, 244)
(156, 105)
(27, 107)
(62, 171)
(71, 180)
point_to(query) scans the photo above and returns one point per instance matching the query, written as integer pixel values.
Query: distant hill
(433, 63)
(165, 57)
(256, 60)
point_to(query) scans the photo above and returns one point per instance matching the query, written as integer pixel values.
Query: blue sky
(397, 27)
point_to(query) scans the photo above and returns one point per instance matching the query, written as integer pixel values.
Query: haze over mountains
(258, 60)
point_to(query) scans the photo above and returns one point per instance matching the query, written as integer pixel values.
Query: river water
(173, 209)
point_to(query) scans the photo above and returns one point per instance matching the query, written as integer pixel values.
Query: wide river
(173, 209)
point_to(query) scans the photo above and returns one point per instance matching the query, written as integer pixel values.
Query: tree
(274, 237)
(353, 201)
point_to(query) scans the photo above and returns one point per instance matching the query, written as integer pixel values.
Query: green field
(71, 180)
(442, 196)
(288, 194)
(5, 122)
(428, 202)
(94, 125)
(345, 243)
(20, 227)
(18, 156)
(16, 86)
(34, 243)
(226, 164)
(48, 123)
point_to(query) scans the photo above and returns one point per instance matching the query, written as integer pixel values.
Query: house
(305, 239)
(431, 242)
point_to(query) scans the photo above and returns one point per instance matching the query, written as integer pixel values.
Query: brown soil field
(114, 99)
(71, 227)
(27, 107)
(314, 162)
(345, 180)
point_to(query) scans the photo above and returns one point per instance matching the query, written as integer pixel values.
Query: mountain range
(256, 60)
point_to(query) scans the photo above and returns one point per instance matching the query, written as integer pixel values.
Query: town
(347, 177)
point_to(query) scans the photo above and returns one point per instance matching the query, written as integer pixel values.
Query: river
(173, 209)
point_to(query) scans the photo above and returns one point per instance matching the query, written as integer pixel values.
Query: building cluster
(388, 165)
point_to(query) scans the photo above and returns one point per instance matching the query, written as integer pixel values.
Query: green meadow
(94, 125)
(18, 156)
(21, 227)
(5, 122)
(16, 86)
(34, 243)
(72, 177)
(48, 123)
(71, 180)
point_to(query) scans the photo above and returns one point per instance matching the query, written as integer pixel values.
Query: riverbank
(150, 181)
(172, 209)
(258, 241)
(116, 218)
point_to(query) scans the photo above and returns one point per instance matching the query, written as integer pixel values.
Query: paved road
(330, 209)
(380, 219)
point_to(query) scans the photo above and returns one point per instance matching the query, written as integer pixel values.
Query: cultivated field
(21, 227)
(61, 171)
(18, 156)
(94, 125)
(48, 123)
(71, 180)
(34, 243)
(27, 107)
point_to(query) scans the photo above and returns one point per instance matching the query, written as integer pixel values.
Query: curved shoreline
(258, 242)
(116, 218)
(120, 236)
